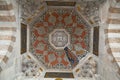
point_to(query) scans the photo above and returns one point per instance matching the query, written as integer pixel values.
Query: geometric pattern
(30, 68)
(59, 38)
(53, 58)
(88, 69)
(59, 19)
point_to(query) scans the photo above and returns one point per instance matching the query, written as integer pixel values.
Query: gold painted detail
(77, 70)
(58, 79)
(80, 52)
(29, 19)
(40, 69)
(41, 8)
(91, 21)
(78, 8)
(28, 56)
(89, 58)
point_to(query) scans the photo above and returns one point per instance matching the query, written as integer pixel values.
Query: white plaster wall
(106, 69)
(13, 65)
(8, 74)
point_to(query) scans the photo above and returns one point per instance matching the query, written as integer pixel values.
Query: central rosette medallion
(59, 38)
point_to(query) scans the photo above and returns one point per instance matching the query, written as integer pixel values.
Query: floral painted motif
(65, 19)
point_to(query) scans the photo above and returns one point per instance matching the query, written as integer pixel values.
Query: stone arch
(7, 31)
(112, 33)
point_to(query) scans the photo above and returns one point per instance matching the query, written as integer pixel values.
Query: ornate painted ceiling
(71, 19)
(54, 26)
(64, 26)
(28, 7)
(31, 9)
(32, 69)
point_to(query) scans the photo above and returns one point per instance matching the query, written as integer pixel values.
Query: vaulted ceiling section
(31, 9)
(54, 21)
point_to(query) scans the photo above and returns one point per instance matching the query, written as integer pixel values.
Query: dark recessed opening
(60, 3)
(58, 75)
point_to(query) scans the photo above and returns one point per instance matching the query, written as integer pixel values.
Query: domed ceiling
(55, 26)
(64, 26)
(60, 36)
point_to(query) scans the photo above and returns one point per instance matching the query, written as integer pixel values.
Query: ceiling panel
(60, 3)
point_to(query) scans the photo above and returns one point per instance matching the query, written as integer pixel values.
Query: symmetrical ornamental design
(56, 29)
(59, 38)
